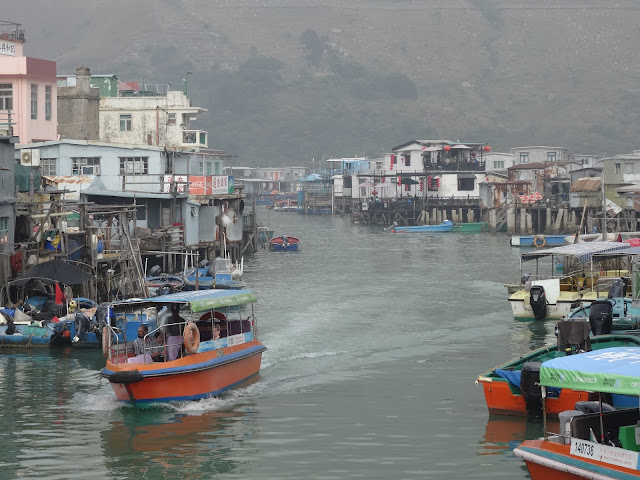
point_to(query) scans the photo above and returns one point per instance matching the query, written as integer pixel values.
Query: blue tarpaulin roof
(582, 251)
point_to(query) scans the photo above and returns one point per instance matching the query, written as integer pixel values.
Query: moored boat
(602, 445)
(222, 274)
(30, 321)
(210, 346)
(471, 227)
(509, 389)
(554, 295)
(284, 243)
(445, 226)
(538, 241)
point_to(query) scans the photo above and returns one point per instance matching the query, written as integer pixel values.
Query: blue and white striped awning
(618, 253)
(581, 251)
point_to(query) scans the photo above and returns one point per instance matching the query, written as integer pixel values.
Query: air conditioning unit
(30, 158)
(91, 170)
(25, 157)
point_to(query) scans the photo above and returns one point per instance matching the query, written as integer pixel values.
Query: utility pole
(604, 209)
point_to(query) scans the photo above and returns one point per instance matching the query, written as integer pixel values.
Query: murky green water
(374, 342)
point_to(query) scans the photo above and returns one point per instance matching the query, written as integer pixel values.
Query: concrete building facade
(28, 91)
(78, 108)
(159, 117)
(539, 154)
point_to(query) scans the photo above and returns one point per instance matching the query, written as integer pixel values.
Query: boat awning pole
(544, 410)
(601, 421)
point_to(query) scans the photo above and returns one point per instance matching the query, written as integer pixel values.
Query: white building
(153, 115)
(499, 162)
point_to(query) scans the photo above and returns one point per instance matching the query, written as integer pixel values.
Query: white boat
(556, 286)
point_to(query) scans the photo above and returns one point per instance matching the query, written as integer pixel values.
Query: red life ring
(191, 338)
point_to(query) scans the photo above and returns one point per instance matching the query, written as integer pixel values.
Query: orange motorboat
(603, 444)
(511, 388)
(205, 343)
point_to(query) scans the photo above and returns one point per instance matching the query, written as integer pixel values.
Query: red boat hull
(192, 377)
(502, 401)
(547, 460)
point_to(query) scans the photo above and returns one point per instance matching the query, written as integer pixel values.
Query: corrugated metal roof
(586, 184)
(70, 179)
(582, 251)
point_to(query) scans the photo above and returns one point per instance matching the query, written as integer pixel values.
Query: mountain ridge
(372, 74)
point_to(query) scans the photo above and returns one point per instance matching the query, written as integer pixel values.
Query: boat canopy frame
(580, 253)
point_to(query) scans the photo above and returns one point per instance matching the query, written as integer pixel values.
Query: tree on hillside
(314, 46)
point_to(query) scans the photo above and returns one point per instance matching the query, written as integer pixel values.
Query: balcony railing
(195, 138)
(6, 123)
(455, 166)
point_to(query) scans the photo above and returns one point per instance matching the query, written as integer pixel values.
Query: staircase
(502, 215)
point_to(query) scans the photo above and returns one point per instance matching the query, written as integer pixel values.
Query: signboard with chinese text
(7, 47)
(221, 184)
(179, 180)
(199, 184)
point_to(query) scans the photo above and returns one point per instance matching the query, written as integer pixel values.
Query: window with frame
(78, 162)
(466, 184)
(201, 169)
(217, 169)
(628, 167)
(125, 122)
(4, 225)
(48, 166)
(551, 156)
(498, 164)
(407, 160)
(134, 165)
(209, 170)
(6, 96)
(171, 118)
(618, 166)
(47, 102)
(34, 101)
(524, 157)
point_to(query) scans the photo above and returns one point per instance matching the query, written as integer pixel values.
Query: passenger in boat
(216, 331)
(173, 330)
(160, 341)
(206, 332)
(150, 346)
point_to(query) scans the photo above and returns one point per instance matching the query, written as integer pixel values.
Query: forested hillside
(294, 80)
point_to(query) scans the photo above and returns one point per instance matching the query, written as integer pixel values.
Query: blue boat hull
(538, 240)
(292, 247)
(445, 226)
(26, 336)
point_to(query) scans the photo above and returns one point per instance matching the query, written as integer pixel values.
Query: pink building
(27, 89)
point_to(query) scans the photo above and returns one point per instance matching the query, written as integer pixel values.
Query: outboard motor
(601, 317)
(531, 392)
(155, 271)
(101, 315)
(83, 326)
(618, 289)
(593, 406)
(538, 301)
